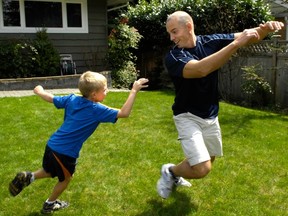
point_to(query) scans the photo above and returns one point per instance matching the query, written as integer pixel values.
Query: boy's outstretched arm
(125, 111)
(39, 90)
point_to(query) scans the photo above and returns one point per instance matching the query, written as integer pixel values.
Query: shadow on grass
(244, 120)
(35, 213)
(180, 206)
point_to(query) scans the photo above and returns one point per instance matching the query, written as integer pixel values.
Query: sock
(173, 175)
(49, 202)
(32, 178)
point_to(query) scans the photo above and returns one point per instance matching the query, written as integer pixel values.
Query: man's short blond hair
(181, 16)
(91, 82)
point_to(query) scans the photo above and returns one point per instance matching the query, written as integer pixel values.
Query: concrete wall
(53, 82)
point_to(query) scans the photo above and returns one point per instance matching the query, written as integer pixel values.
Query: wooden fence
(271, 58)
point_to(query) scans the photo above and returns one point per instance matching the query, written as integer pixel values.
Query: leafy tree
(210, 16)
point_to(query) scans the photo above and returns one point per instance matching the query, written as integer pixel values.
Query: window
(11, 13)
(74, 15)
(43, 14)
(60, 16)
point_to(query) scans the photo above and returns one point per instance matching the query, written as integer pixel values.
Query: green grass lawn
(120, 164)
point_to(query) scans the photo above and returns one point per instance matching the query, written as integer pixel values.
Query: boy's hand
(139, 84)
(38, 89)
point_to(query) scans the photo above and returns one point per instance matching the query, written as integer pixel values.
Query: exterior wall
(88, 50)
(51, 82)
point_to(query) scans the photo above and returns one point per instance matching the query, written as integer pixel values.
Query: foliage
(255, 86)
(48, 57)
(210, 16)
(124, 76)
(121, 41)
(120, 163)
(28, 58)
(17, 59)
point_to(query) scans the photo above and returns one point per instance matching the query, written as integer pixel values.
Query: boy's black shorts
(58, 164)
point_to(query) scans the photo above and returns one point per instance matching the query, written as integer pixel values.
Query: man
(192, 65)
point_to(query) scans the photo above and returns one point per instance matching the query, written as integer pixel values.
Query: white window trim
(64, 29)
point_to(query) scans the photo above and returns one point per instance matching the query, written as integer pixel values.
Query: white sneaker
(166, 182)
(182, 182)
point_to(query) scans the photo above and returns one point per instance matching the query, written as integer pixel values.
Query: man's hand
(245, 37)
(271, 26)
(254, 35)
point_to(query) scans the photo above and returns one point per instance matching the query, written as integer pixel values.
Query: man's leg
(197, 171)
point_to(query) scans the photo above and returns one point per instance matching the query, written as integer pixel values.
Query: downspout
(286, 26)
(118, 7)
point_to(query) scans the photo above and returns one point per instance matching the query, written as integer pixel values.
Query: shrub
(255, 87)
(28, 58)
(121, 41)
(48, 57)
(18, 59)
(123, 77)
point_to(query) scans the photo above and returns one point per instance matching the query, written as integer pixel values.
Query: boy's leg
(52, 203)
(65, 170)
(25, 178)
(21, 180)
(58, 189)
(41, 173)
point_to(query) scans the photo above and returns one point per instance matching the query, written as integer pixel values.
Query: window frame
(65, 29)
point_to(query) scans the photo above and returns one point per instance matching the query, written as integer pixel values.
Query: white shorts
(200, 138)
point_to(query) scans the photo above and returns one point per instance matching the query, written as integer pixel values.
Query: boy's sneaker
(21, 180)
(166, 182)
(49, 208)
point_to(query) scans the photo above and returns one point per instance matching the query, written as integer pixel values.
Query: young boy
(82, 116)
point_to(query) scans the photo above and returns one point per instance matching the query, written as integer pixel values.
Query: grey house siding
(88, 49)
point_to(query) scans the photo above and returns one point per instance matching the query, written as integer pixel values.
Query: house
(76, 27)
(279, 10)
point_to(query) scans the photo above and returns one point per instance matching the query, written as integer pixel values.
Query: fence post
(275, 39)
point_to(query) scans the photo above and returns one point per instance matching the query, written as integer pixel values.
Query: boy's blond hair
(91, 82)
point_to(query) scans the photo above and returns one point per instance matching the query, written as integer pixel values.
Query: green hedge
(28, 58)
(210, 16)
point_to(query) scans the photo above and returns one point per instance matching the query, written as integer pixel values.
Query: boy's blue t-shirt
(81, 119)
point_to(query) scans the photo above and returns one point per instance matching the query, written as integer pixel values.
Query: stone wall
(53, 82)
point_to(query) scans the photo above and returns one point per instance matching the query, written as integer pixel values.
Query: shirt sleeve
(61, 101)
(175, 62)
(105, 113)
